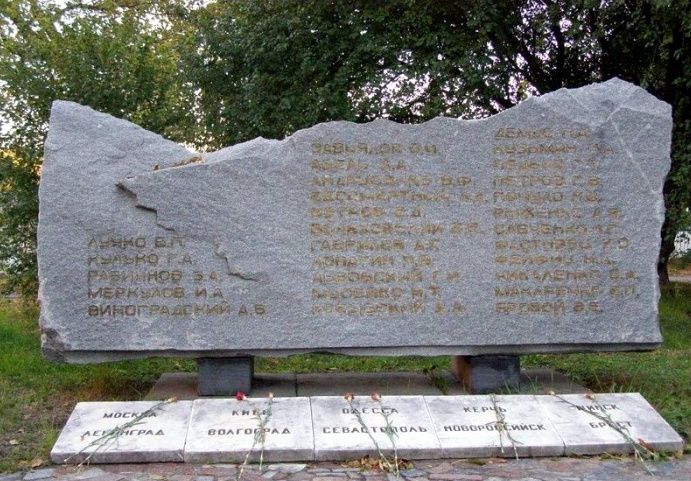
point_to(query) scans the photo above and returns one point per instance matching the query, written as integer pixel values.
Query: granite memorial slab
(490, 426)
(586, 425)
(535, 230)
(124, 432)
(393, 425)
(229, 430)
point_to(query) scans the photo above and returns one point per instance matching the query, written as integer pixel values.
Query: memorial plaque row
(336, 428)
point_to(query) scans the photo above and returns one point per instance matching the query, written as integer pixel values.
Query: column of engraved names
(552, 232)
(150, 276)
(375, 249)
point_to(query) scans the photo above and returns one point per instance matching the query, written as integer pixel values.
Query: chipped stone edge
(84, 357)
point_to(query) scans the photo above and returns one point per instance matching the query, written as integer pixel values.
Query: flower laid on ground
(641, 450)
(500, 424)
(111, 435)
(262, 418)
(384, 463)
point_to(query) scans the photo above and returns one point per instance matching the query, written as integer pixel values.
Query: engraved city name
(322, 427)
(124, 431)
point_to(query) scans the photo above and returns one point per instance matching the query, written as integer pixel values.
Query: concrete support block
(487, 374)
(224, 376)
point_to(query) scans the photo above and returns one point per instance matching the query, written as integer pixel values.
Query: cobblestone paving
(546, 469)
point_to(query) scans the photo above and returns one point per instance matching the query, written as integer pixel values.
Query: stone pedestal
(333, 428)
(224, 376)
(487, 374)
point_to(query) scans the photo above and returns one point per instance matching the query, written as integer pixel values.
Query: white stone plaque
(124, 432)
(393, 425)
(478, 426)
(226, 430)
(584, 423)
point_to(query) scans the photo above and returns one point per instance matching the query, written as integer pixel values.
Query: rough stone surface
(585, 424)
(287, 467)
(536, 230)
(340, 434)
(228, 430)
(11, 477)
(39, 474)
(486, 426)
(158, 437)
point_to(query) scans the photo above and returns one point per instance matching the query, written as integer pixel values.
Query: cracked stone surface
(535, 230)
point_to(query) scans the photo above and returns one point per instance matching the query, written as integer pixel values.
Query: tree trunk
(666, 249)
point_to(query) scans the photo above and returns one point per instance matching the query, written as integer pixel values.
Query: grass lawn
(36, 396)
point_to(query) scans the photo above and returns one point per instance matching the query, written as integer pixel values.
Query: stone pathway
(544, 469)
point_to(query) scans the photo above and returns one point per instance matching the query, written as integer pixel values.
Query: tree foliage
(105, 54)
(217, 73)
(269, 68)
